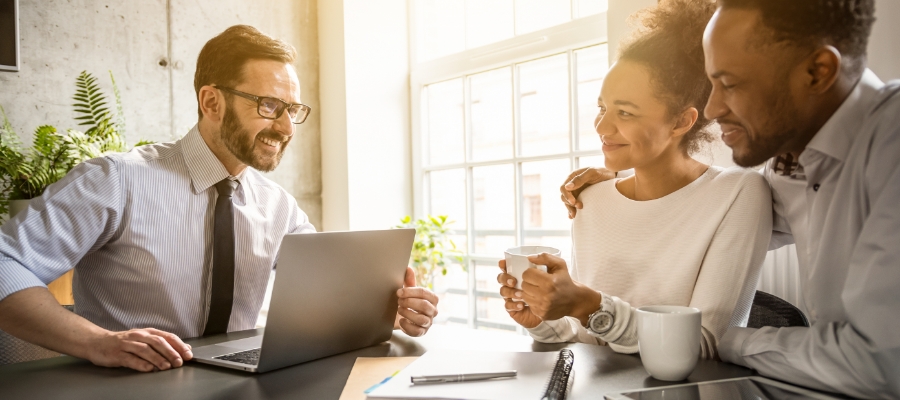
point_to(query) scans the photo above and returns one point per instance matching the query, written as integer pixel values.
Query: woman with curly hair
(676, 232)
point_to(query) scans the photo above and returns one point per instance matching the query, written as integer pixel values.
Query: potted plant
(25, 173)
(433, 250)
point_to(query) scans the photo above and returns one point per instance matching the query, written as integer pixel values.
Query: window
(504, 95)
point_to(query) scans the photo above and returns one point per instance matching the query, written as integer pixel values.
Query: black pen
(477, 376)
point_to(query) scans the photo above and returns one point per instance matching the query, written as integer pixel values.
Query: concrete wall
(884, 53)
(617, 26)
(151, 47)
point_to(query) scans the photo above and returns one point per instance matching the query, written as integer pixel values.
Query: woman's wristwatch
(602, 320)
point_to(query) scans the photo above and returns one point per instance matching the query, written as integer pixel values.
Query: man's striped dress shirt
(138, 229)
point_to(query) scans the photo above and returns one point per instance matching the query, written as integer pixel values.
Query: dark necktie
(222, 296)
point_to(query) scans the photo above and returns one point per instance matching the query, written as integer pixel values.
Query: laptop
(334, 292)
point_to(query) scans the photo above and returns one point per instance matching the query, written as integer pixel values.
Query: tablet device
(748, 388)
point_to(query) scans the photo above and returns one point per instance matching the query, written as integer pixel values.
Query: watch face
(601, 322)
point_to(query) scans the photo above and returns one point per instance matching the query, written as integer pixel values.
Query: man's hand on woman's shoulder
(579, 180)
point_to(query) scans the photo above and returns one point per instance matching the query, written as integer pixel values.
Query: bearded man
(147, 231)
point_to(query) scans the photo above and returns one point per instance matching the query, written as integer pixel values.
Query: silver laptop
(334, 292)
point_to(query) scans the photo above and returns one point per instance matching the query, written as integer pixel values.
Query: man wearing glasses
(173, 239)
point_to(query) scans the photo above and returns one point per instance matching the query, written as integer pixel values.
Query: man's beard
(776, 132)
(242, 143)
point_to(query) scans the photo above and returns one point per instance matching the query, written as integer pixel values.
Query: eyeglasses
(272, 108)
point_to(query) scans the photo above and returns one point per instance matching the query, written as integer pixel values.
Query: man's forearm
(34, 315)
(831, 357)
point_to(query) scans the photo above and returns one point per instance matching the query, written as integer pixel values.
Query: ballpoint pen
(477, 376)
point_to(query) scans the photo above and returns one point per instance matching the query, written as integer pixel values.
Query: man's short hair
(844, 24)
(221, 61)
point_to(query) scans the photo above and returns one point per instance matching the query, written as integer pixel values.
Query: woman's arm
(563, 330)
(730, 270)
(728, 273)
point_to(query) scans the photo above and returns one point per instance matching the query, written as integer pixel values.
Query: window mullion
(470, 238)
(470, 199)
(574, 143)
(573, 102)
(517, 142)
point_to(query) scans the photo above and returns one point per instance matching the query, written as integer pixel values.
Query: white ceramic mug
(669, 340)
(517, 260)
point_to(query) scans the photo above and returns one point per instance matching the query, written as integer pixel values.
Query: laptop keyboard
(250, 357)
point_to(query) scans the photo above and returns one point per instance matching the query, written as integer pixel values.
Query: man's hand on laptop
(144, 350)
(579, 180)
(417, 307)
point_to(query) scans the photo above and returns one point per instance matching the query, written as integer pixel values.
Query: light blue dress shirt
(844, 216)
(138, 229)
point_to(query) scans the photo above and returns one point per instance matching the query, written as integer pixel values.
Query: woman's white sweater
(701, 246)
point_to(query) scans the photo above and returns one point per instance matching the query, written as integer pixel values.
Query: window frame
(561, 39)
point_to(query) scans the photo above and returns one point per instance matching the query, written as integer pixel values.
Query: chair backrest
(771, 310)
(15, 350)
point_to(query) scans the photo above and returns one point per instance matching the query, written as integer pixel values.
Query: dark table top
(598, 370)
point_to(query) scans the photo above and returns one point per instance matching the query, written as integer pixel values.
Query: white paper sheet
(534, 369)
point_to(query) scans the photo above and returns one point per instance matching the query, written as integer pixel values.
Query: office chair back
(15, 350)
(771, 310)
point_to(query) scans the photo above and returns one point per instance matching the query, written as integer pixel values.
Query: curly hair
(222, 59)
(669, 42)
(844, 24)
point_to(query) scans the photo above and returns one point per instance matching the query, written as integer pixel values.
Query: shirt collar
(204, 167)
(836, 136)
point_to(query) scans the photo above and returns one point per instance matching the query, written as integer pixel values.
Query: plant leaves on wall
(26, 173)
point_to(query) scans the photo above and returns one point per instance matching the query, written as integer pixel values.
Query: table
(598, 370)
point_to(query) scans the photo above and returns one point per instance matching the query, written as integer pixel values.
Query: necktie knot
(226, 187)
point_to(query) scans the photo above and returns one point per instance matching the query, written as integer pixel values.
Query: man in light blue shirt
(790, 81)
(147, 231)
(790, 86)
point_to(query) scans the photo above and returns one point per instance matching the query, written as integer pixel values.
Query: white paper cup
(669, 340)
(517, 260)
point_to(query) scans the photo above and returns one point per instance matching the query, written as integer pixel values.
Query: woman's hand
(553, 294)
(518, 310)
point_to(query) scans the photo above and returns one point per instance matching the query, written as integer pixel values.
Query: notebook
(545, 375)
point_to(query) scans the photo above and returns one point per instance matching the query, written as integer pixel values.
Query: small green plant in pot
(433, 250)
(25, 173)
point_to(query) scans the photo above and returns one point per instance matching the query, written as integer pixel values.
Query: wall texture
(884, 54)
(151, 47)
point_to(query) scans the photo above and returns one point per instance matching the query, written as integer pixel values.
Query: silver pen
(476, 376)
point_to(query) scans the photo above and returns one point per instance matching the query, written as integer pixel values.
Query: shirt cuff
(732, 344)
(543, 333)
(15, 277)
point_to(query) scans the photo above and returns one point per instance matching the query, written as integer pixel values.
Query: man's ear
(684, 122)
(823, 67)
(212, 103)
